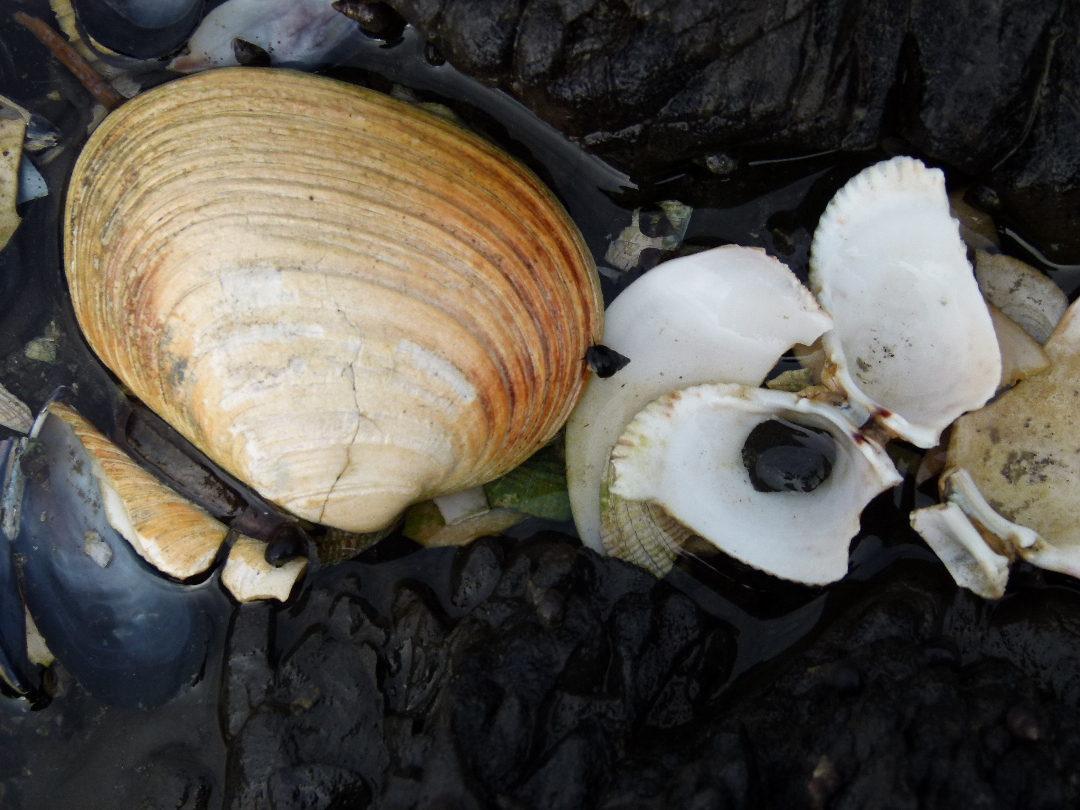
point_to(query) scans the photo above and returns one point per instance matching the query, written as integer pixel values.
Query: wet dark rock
(524, 701)
(545, 677)
(983, 87)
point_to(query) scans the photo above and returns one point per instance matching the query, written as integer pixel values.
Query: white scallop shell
(684, 452)
(913, 343)
(726, 314)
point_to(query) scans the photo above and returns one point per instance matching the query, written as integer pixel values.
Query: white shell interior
(913, 343)
(726, 314)
(684, 452)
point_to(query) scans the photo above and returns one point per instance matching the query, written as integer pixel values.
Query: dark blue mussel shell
(15, 666)
(128, 635)
(143, 29)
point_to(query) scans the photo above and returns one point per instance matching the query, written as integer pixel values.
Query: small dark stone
(376, 19)
(475, 573)
(287, 542)
(249, 54)
(781, 456)
(605, 362)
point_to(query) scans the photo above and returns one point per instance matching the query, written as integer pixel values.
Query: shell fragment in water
(726, 314)
(249, 577)
(685, 453)
(1012, 469)
(913, 343)
(1021, 292)
(347, 303)
(298, 33)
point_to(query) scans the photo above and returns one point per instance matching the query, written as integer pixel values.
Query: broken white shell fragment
(12, 130)
(168, 531)
(724, 314)
(913, 343)
(462, 505)
(685, 453)
(1020, 291)
(1021, 355)
(1019, 455)
(248, 575)
(14, 413)
(952, 536)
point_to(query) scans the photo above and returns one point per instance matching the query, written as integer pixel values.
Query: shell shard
(347, 303)
(1021, 292)
(1021, 355)
(16, 668)
(724, 314)
(1011, 465)
(14, 413)
(248, 576)
(685, 452)
(168, 531)
(971, 561)
(639, 532)
(913, 343)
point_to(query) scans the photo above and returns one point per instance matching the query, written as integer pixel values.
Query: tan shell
(346, 302)
(167, 530)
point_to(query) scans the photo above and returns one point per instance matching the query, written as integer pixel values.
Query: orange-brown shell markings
(345, 301)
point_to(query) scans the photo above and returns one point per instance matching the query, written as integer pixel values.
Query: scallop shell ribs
(346, 302)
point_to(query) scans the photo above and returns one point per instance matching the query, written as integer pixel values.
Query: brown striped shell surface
(346, 302)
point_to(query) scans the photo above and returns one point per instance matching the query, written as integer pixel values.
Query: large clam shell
(344, 301)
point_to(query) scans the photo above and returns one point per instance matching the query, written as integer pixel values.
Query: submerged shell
(913, 342)
(1021, 292)
(638, 531)
(346, 302)
(726, 314)
(684, 452)
(248, 576)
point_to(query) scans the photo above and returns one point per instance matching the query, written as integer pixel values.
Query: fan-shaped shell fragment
(347, 303)
(684, 452)
(913, 343)
(721, 315)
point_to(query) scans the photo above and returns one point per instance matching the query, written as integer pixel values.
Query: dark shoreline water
(750, 626)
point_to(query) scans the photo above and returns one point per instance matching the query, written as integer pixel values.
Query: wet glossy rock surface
(983, 87)
(580, 682)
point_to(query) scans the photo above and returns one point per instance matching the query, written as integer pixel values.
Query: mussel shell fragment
(142, 29)
(15, 666)
(127, 634)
